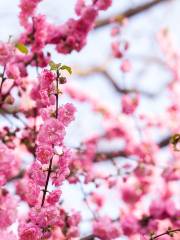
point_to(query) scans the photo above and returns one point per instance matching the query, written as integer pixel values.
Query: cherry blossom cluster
(52, 160)
(120, 165)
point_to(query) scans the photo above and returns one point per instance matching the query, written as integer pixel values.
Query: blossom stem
(168, 232)
(51, 160)
(47, 181)
(3, 78)
(57, 94)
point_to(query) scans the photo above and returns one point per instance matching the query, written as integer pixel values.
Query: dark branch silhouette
(129, 13)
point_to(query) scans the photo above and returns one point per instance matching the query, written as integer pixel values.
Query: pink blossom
(66, 113)
(46, 216)
(13, 71)
(44, 153)
(74, 33)
(32, 192)
(51, 132)
(74, 219)
(80, 5)
(116, 50)
(98, 199)
(73, 232)
(63, 168)
(105, 229)
(29, 231)
(125, 66)
(146, 151)
(46, 79)
(37, 174)
(103, 4)
(8, 163)
(27, 9)
(129, 224)
(157, 208)
(46, 98)
(130, 195)
(40, 34)
(6, 52)
(115, 31)
(171, 173)
(8, 209)
(54, 196)
(170, 208)
(129, 104)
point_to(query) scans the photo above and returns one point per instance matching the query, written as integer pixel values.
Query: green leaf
(22, 48)
(54, 66)
(67, 68)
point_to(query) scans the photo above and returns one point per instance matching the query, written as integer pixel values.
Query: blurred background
(97, 73)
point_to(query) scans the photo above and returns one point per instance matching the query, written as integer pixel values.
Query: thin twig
(50, 163)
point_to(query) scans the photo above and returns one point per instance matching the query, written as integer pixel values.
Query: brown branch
(113, 82)
(129, 13)
(164, 142)
(168, 232)
(123, 90)
(105, 156)
(18, 176)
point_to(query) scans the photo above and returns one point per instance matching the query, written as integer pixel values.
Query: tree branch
(105, 156)
(129, 13)
(168, 232)
(102, 70)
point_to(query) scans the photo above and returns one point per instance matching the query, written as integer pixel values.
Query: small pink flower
(37, 174)
(6, 52)
(8, 163)
(54, 196)
(32, 192)
(170, 208)
(51, 132)
(46, 79)
(8, 209)
(129, 104)
(130, 195)
(116, 50)
(125, 66)
(66, 113)
(80, 5)
(62, 168)
(105, 229)
(46, 216)
(129, 224)
(103, 4)
(157, 208)
(74, 219)
(98, 199)
(74, 33)
(27, 9)
(29, 231)
(44, 153)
